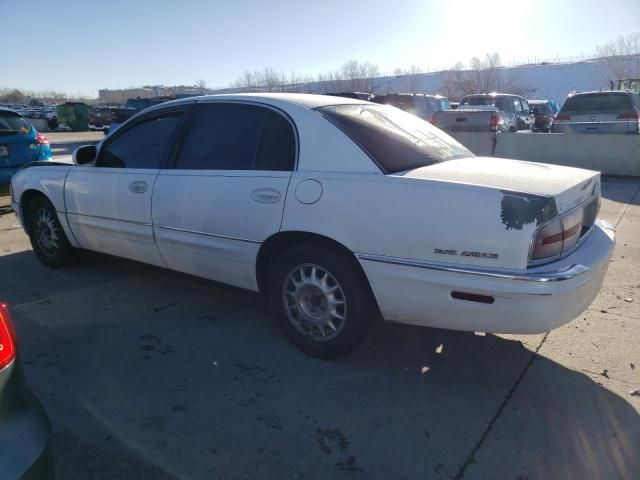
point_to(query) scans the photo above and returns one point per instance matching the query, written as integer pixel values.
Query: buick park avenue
(339, 210)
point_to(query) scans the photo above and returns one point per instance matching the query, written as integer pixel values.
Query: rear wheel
(321, 299)
(48, 239)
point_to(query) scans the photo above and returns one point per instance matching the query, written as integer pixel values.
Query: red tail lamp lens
(41, 139)
(628, 116)
(7, 337)
(558, 236)
(494, 123)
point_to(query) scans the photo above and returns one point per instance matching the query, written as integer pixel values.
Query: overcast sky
(80, 46)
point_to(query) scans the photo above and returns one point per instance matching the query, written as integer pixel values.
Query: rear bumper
(531, 301)
(25, 435)
(621, 127)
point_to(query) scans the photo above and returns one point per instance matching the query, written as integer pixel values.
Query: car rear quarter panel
(416, 219)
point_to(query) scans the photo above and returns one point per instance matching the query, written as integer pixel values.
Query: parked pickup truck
(494, 112)
(472, 118)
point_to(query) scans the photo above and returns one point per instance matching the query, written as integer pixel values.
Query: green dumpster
(74, 114)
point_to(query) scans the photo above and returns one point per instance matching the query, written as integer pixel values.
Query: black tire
(343, 270)
(48, 240)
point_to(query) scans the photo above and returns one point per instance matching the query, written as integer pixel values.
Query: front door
(109, 203)
(226, 192)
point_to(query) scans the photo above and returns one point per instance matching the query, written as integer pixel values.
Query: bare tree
(487, 72)
(458, 82)
(621, 57)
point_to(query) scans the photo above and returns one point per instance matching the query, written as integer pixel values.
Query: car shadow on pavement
(155, 374)
(623, 190)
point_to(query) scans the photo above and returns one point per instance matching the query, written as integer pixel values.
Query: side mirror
(85, 154)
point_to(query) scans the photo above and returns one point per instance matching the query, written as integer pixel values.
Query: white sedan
(337, 209)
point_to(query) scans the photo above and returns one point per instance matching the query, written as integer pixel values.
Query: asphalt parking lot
(147, 373)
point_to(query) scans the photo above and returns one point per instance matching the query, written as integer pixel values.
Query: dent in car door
(109, 205)
(226, 195)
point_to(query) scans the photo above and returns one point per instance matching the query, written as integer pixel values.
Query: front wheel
(322, 300)
(48, 239)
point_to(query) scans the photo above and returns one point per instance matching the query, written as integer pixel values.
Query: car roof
(539, 101)
(492, 94)
(603, 92)
(410, 95)
(304, 100)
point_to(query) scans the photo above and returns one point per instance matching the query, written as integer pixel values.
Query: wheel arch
(26, 198)
(278, 243)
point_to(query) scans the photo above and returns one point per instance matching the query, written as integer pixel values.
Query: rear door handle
(266, 195)
(138, 187)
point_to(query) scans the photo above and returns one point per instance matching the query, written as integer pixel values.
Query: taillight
(493, 123)
(629, 116)
(41, 139)
(558, 236)
(562, 118)
(7, 337)
(432, 120)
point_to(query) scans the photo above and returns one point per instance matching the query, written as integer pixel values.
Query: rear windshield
(408, 103)
(543, 108)
(12, 123)
(395, 140)
(596, 102)
(444, 104)
(499, 102)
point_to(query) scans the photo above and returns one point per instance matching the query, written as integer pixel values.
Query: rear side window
(395, 140)
(13, 124)
(277, 149)
(144, 145)
(238, 137)
(594, 102)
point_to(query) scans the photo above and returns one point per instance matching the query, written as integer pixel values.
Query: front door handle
(266, 195)
(138, 187)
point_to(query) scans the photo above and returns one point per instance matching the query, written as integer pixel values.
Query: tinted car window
(395, 140)
(277, 150)
(145, 145)
(444, 104)
(517, 107)
(501, 103)
(238, 137)
(416, 105)
(525, 105)
(12, 123)
(542, 108)
(595, 102)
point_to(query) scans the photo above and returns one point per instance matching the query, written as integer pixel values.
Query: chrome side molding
(560, 275)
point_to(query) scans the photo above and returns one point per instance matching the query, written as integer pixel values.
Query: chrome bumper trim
(563, 274)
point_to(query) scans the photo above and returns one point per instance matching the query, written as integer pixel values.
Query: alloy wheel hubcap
(47, 233)
(314, 302)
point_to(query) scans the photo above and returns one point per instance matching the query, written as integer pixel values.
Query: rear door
(527, 116)
(225, 194)
(109, 204)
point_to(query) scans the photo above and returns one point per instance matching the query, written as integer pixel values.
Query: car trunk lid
(568, 186)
